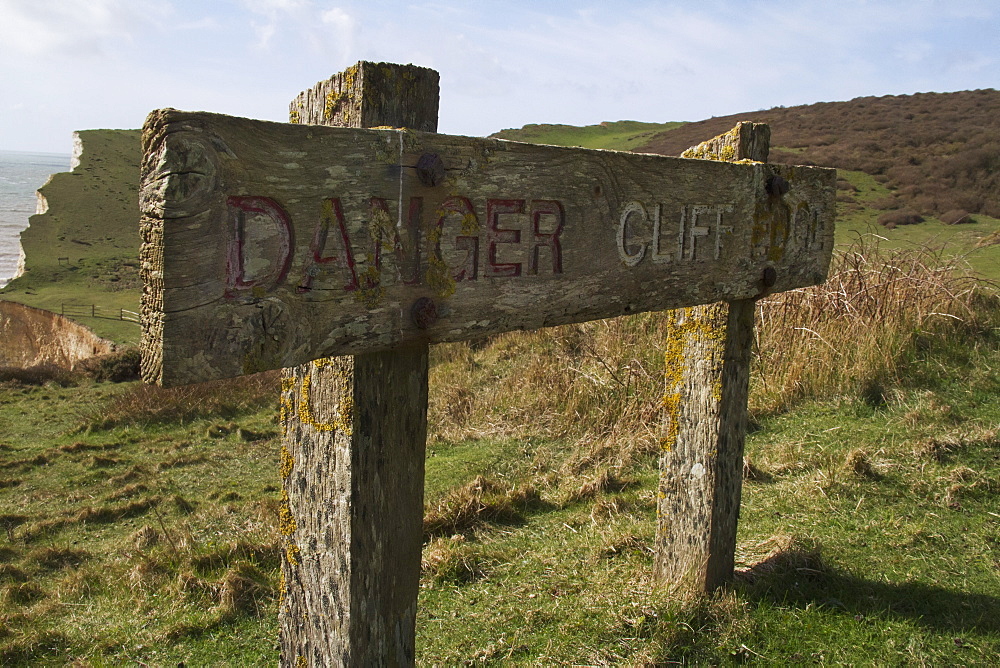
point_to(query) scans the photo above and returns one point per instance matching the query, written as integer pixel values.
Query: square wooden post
(352, 456)
(705, 417)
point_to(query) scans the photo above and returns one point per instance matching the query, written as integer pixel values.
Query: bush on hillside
(891, 219)
(117, 367)
(957, 217)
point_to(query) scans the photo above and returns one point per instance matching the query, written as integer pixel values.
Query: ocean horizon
(21, 174)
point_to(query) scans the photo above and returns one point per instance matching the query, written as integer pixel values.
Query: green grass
(962, 241)
(617, 135)
(869, 535)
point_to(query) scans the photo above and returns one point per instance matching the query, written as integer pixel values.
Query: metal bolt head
(770, 277)
(424, 312)
(430, 169)
(777, 186)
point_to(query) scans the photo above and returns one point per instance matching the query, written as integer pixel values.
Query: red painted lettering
(499, 235)
(259, 252)
(465, 268)
(332, 216)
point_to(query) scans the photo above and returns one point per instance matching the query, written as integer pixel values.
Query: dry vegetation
(938, 152)
(601, 382)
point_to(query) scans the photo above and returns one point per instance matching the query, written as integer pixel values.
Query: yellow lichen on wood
(286, 402)
(371, 293)
(285, 462)
(687, 325)
(286, 522)
(331, 104)
(345, 408)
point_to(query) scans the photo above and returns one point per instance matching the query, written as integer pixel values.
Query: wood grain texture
(352, 466)
(352, 463)
(705, 418)
(272, 244)
(368, 95)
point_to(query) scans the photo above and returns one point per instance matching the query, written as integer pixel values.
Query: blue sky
(76, 64)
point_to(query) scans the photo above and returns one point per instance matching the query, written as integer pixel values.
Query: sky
(69, 65)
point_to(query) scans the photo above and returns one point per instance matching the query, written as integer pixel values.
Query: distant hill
(84, 249)
(612, 135)
(935, 152)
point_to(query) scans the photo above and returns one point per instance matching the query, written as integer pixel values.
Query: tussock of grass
(479, 502)
(452, 560)
(859, 463)
(788, 556)
(243, 590)
(53, 558)
(855, 334)
(149, 404)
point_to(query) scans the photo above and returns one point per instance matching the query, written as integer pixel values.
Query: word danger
(453, 243)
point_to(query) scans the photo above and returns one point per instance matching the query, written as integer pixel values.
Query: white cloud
(77, 28)
(338, 18)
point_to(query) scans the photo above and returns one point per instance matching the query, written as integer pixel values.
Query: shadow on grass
(799, 578)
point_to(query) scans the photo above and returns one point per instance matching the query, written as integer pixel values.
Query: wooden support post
(352, 458)
(705, 417)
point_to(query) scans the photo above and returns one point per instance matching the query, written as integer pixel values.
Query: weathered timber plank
(368, 95)
(705, 418)
(352, 462)
(273, 244)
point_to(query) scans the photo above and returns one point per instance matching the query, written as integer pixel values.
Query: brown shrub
(117, 367)
(149, 404)
(956, 217)
(891, 219)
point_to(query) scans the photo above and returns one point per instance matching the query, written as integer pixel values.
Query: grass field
(612, 135)
(140, 523)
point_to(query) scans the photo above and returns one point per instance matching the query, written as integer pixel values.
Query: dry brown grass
(148, 404)
(481, 501)
(601, 383)
(854, 334)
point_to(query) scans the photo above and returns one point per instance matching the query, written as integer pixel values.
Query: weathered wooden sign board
(266, 245)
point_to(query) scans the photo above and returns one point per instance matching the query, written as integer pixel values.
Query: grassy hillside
(85, 248)
(935, 152)
(616, 136)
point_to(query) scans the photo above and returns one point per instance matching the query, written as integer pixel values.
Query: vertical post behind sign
(705, 417)
(352, 456)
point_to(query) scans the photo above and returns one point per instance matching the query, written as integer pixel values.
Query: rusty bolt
(424, 312)
(430, 169)
(770, 277)
(777, 186)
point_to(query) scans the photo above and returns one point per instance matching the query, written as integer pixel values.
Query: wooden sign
(267, 245)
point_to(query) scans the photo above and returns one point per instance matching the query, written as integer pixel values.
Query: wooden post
(270, 245)
(705, 415)
(352, 457)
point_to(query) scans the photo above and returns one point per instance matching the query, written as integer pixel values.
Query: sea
(21, 174)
